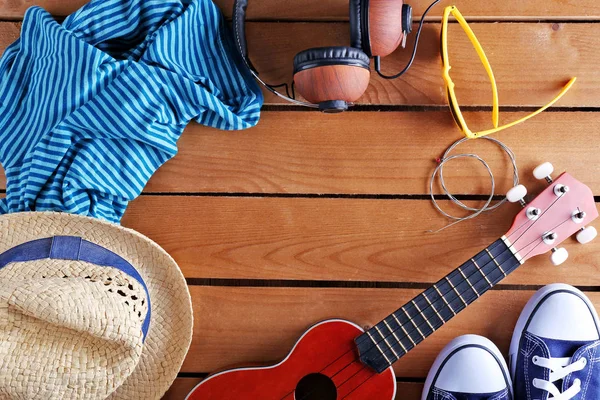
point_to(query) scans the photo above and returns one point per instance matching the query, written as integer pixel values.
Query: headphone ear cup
(381, 25)
(331, 74)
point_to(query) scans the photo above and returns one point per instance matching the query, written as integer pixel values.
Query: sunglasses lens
(453, 110)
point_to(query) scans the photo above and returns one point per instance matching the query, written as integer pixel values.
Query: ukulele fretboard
(396, 335)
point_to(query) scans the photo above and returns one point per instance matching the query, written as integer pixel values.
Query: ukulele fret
(395, 336)
(404, 330)
(423, 315)
(379, 348)
(413, 322)
(456, 291)
(481, 272)
(443, 298)
(433, 307)
(386, 342)
(469, 282)
(496, 262)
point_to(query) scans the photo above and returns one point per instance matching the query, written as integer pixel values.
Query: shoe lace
(559, 369)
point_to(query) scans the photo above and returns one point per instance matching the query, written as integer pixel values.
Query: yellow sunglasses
(454, 108)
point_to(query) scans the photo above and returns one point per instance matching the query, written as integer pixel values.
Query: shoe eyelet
(535, 360)
(584, 361)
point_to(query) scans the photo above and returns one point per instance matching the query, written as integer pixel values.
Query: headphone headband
(239, 33)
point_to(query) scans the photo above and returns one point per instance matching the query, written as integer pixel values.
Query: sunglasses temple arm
(564, 90)
(484, 61)
(377, 59)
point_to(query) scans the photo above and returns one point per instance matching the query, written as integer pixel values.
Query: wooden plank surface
(372, 153)
(366, 153)
(338, 9)
(543, 56)
(182, 386)
(245, 325)
(334, 239)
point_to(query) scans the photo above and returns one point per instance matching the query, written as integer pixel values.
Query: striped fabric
(91, 108)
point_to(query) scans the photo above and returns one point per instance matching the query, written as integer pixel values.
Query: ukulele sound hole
(316, 387)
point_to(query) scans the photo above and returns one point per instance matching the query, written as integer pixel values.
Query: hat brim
(171, 327)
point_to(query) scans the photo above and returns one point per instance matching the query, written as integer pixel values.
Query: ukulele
(336, 359)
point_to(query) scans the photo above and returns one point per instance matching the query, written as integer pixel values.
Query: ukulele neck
(400, 332)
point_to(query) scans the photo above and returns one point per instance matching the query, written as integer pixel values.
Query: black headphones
(333, 78)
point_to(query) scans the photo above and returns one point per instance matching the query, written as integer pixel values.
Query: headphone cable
(414, 52)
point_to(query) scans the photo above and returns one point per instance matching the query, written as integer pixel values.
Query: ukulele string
(363, 366)
(557, 226)
(457, 272)
(453, 274)
(453, 297)
(437, 327)
(473, 297)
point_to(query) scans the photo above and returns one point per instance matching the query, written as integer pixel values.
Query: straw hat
(88, 310)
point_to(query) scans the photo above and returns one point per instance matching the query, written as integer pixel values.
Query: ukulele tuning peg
(544, 171)
(586, 235)
(559, 256)
(517, 195)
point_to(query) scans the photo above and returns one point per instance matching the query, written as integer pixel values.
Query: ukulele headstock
(560, 211)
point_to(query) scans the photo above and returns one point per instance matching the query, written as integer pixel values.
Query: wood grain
(338, 9)
(366, 153)
(373, 153)
(332, 82)
(334, 239)
(245, 325)
(385, 33)
(543, 56)
(182, 386)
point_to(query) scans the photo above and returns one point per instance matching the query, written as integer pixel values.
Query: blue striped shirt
(90, 108)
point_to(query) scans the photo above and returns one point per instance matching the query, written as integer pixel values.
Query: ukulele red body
(323, 365)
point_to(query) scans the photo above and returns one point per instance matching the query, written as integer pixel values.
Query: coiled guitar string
(475, 212)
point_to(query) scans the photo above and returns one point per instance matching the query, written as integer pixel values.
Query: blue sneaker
(554, 350)
(469, 368)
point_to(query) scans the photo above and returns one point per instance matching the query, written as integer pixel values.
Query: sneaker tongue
(563, 348)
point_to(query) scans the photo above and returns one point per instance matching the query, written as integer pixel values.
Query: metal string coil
(439, 171)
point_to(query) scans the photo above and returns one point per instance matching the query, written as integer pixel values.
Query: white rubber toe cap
(469, 364)
(564, 315)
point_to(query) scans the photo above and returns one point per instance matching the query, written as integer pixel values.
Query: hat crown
(75, 324)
